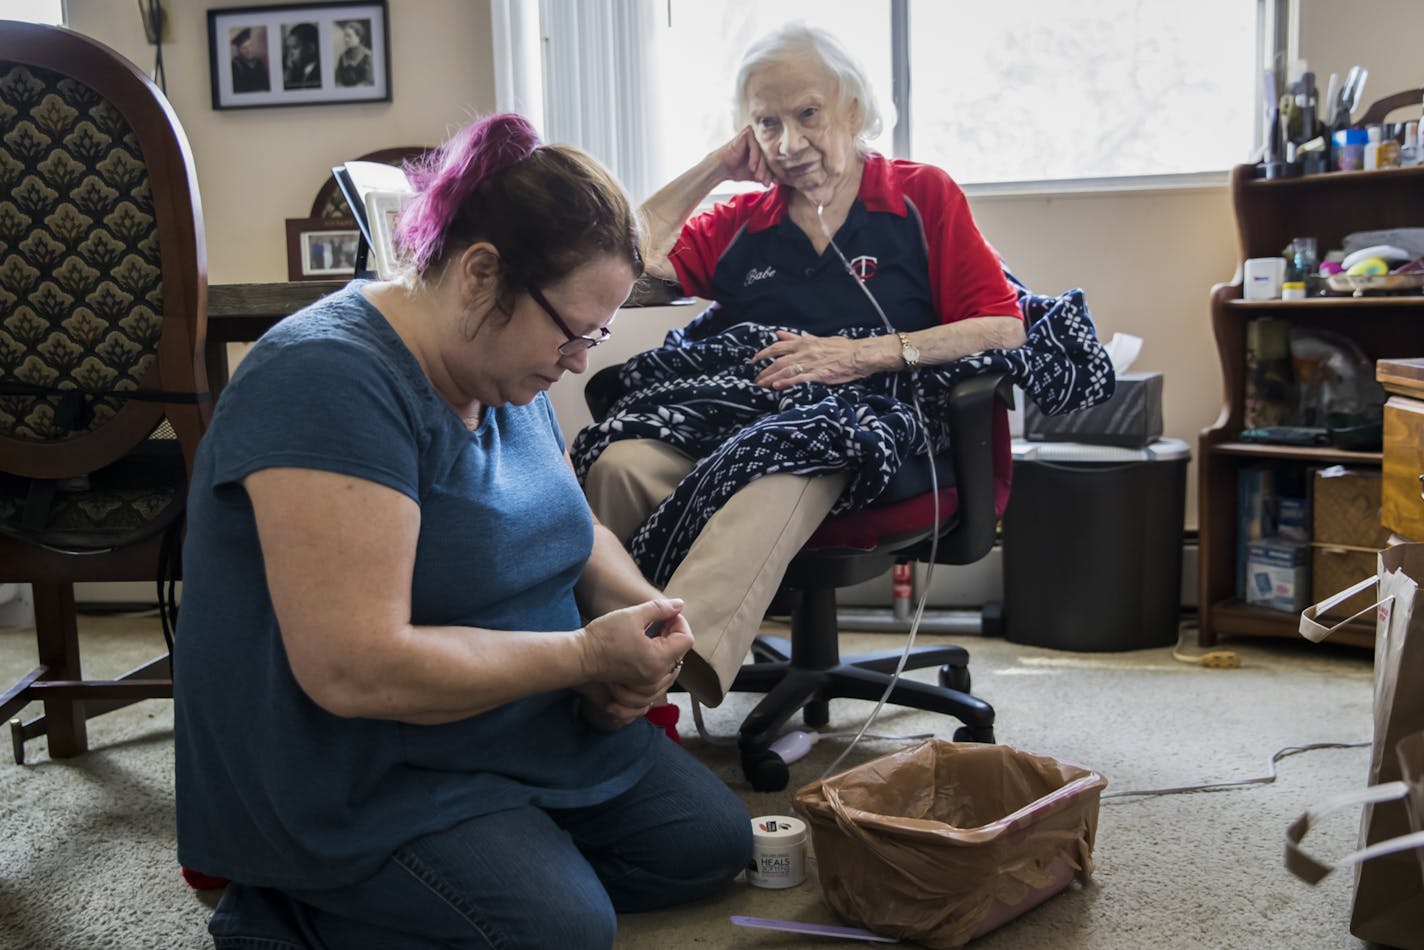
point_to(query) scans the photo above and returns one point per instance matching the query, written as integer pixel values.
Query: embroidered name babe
(758, 273)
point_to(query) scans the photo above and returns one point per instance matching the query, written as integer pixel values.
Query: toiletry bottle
(1410, 152)
(1349, 149)
(1388, 156)
(1375, 135)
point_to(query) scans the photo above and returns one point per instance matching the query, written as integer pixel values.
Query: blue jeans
(528, 877)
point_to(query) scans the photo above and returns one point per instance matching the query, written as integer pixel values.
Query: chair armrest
(602, 390)
(971, 431)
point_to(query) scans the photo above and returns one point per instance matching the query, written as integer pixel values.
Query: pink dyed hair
(449, 175)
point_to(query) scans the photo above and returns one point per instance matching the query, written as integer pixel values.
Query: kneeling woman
(393, 726)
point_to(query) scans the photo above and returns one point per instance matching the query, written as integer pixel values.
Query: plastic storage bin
(1093, 545)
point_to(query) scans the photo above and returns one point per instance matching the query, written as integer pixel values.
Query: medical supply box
(1278, 574)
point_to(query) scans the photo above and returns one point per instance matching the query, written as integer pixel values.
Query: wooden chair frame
(69, 700)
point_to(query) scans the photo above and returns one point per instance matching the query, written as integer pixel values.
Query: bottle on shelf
(1410, 153)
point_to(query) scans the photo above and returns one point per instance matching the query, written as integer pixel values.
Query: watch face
(912, 354)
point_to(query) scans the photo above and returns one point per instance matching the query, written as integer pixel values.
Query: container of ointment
(778, 852)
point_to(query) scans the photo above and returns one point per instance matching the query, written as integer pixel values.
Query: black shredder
(1093, 545)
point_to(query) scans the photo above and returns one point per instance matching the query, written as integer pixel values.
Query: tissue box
(1278, 574)
(1131, 418)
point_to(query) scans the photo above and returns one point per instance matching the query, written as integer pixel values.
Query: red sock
(199, 881)
(665, 718)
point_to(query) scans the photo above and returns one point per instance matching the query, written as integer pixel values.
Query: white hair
(798, 43)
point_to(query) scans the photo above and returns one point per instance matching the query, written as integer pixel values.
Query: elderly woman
(393, 726)
(902, 231)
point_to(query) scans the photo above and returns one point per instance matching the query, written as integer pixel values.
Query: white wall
(258, 167)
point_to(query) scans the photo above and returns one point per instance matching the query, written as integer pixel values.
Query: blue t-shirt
(272, 790)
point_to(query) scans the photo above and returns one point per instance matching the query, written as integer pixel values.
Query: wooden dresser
(1402, 499)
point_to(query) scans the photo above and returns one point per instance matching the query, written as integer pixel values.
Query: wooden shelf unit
(1269, 214)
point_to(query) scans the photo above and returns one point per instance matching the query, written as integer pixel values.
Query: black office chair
(806, 671)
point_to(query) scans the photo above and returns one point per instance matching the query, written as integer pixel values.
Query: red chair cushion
(863, 530)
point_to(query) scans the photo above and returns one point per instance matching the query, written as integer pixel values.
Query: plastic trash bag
(942, 842)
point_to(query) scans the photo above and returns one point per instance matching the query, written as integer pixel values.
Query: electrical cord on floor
(1211, 660)
(1266, 779)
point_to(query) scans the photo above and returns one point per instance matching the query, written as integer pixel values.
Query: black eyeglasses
(576, 343)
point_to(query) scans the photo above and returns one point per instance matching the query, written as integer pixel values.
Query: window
(1031, 90)
(1040, 89)
(35, 11)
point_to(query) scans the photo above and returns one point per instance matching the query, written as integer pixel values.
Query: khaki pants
(734, 567)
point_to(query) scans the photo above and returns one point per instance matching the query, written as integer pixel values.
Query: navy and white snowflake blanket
(701, 397)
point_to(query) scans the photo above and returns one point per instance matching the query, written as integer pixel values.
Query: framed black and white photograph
(321, 248)
(299, 54)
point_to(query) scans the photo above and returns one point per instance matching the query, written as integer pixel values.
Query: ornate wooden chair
(103, 392)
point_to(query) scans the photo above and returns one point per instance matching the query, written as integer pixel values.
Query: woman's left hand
(802, 358)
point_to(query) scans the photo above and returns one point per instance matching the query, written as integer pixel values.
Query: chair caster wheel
(971, 734)
(955, 677)
(766, 771)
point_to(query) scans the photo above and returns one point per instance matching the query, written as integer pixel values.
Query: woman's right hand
(632, 671)
(742, 159)
(618, 650)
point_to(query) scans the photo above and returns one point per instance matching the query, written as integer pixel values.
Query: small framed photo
(321, 248)
(299, 54)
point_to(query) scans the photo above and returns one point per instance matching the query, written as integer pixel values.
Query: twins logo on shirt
(864, 266)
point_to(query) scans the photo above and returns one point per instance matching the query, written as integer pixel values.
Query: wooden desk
(240, 313)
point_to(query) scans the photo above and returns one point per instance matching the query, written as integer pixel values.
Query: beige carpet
(87, 852)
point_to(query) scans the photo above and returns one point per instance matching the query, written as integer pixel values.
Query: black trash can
(1093, 545)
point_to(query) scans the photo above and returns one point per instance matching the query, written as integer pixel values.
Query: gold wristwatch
(908, 351)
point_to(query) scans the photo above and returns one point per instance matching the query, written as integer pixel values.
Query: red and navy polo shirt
(909, 236)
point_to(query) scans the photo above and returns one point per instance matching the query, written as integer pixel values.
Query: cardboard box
(1346, 508)
(1278, 574)
(1334, 569)
(1132, 417)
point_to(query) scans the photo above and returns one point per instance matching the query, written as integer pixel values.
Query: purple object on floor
(814, 930)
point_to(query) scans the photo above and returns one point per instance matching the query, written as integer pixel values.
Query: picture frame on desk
(299, 54)
(321, 248)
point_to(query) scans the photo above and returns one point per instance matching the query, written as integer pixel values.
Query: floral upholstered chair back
(102, 283)
(81, 284)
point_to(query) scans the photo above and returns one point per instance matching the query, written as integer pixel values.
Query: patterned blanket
(700, 397)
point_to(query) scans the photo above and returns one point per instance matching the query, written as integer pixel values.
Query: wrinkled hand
(630, 672)
(802, 358)
(742, 159)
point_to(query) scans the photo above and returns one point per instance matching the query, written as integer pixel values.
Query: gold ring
(676, 666)
(799, 369)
